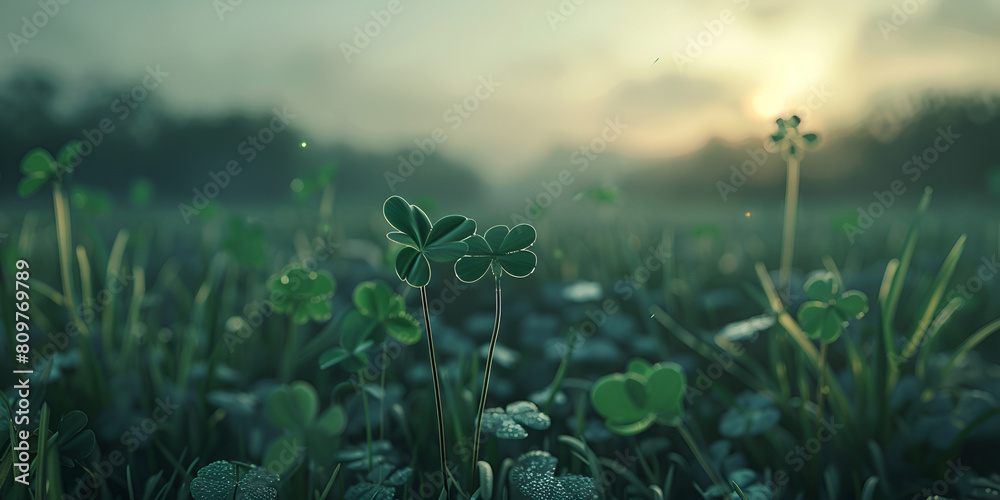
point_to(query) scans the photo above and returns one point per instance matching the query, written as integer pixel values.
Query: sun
(768, 103)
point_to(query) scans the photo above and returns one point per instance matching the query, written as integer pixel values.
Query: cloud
(560, 81)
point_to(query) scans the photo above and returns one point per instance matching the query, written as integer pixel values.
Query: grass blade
(969, 343)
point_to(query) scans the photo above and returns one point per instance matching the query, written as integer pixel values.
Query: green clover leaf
(790, 141)
(828, 311)
(302, 293)
(509, 423)
(221, 480)
(440, 242)
(534, 477)
(379, 484)
(631, 402)
(39, 167)
(73, 441)
(501, 249)
(295, 409)
(379, 312)
(386, 310)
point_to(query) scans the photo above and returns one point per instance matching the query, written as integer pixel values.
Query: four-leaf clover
(501, 249)
(440, 242)
(789, 140)
(828, 310)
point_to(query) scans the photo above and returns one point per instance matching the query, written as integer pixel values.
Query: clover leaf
(381, 484)
(221, 481)
(790, 141)
(827, 311)
(507, 424)
(753, 414)
(39, 167)
(73, 441)
(386, 311)
(379, 312)
(440, 242)
(501, 249)
(534, 478)
(295, 409)
(631, 402)
(302, 293)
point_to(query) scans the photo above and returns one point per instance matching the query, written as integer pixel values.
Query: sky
(502, 85)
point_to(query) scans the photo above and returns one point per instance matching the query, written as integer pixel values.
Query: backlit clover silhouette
(440, 242)
(500, 249)
(790, 141)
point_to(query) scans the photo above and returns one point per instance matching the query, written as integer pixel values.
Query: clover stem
(701, 459)
(368, 418)
(437, 385)
(819, 384)
(381, 386)
(788, 234)
(486, 385)
(290, 348)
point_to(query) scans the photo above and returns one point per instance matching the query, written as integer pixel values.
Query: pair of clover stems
(792, 144)
(501, 250)
(453, 238)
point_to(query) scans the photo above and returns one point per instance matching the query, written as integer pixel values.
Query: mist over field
(560, 249)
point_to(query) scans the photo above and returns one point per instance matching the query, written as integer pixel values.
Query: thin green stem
(381, 386)
(788, 234)
(368, 419)
(486, 385)
(437, 385)
(819, 384)
(701, 459)
(64, 239)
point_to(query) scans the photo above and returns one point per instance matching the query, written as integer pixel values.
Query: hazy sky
(561, 67)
